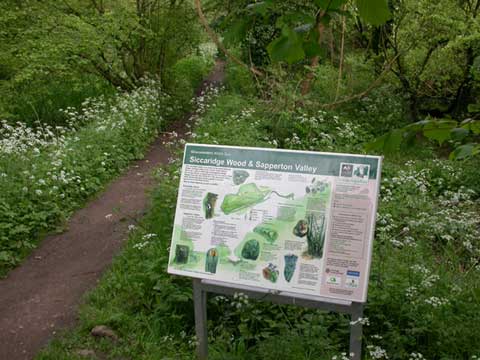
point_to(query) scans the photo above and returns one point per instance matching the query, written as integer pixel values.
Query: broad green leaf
(393, 141)
(473, 108)
(377, 144)
(303, 28)
(463, 152)
(288, 47)
(418, 126)
(439, 134)
(312, 48)
(387, 143)
(476, 150)
(472, 125)
(439, 130)
(459, 133)
(424, 122)
(375, 12)
(409, 137)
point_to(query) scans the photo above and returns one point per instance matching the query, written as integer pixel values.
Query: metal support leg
(202, 287)
(200, 306)
(356, 332)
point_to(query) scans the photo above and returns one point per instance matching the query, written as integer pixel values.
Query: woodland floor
(41, 296)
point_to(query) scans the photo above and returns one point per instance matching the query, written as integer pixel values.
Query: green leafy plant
(463, 135)
(298, 25)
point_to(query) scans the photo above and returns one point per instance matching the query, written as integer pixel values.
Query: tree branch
(427, 59)
(340, 66)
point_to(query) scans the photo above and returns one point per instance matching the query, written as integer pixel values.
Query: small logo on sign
(334, 280)
(346, 170)
(351, 282)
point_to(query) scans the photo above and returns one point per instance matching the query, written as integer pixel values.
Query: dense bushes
(240, 80)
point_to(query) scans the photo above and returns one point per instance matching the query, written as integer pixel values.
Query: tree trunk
(413, 107)
(464, 93)
(307, 82)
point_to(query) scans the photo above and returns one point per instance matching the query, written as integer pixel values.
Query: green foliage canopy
(295, 24)
(50, 49)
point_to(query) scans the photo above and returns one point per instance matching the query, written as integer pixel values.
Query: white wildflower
(376, 352)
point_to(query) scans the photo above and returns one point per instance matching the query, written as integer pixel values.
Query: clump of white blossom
(376, 352)
(323, 132)
(239, 300)
(342, 356)
(415, 356)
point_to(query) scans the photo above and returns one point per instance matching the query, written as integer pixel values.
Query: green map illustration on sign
(268, 233)
(248, 195)
(309, 226)
(290, 264)
(251, 250)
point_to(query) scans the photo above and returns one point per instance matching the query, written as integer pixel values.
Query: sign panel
(286, 220)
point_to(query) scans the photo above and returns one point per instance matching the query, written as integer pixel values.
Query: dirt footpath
(42, 295)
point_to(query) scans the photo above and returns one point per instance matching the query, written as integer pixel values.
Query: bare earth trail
(42, 295)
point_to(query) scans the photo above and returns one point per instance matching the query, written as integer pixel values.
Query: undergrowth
(424, 299)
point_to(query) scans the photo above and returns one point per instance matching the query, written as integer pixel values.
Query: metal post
(200, 306)
(356, 331)
(202, 287)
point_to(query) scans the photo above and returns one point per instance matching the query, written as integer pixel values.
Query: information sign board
(285, 220)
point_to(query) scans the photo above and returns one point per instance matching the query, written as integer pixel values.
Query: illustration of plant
(315, 235)
(209, 205)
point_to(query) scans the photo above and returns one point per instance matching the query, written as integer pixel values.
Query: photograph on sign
(284, 220)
